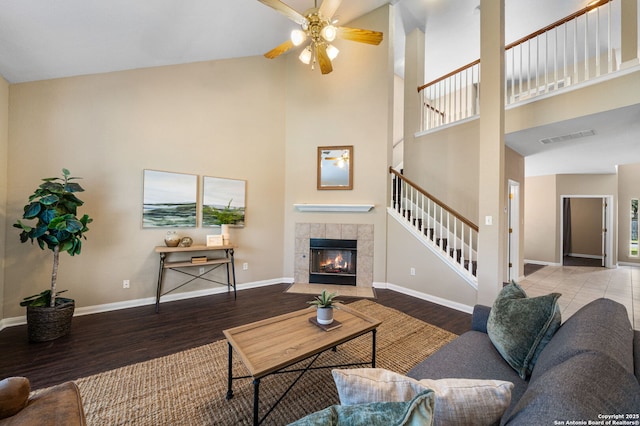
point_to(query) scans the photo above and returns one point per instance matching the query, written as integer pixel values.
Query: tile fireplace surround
(362, 233)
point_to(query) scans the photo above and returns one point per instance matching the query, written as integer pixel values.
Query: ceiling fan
(339, 161)
(317, 26)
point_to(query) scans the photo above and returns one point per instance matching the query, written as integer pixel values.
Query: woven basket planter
(46, 323)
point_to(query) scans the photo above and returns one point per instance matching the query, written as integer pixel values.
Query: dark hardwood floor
(108, 340)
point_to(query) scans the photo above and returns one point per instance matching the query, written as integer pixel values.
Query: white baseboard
(428, 297)
(585, 256)
(632, 264)
(87, 310)
(542, 262)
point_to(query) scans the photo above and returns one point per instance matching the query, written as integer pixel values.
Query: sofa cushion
(472, 356)
(521, 326)
(600, 326)
(14, 395)
(583, 387)
(416, 412)
(457, 401)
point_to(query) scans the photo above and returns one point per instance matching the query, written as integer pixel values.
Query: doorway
(513, 231)
(585, 222)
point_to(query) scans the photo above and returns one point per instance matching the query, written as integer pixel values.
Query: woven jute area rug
(189, 387)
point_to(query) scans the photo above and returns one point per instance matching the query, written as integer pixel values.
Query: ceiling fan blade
(279, 50)
(328, 8)
(285, 10)
(323, 59)
(360, 35)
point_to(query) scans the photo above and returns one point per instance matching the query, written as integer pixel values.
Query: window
(634, 227)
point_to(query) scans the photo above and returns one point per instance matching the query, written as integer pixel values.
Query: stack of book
(199, 259)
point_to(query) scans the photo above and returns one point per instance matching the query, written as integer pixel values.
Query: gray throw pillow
(519, 326)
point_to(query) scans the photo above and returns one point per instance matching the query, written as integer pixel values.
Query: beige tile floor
(580, 285)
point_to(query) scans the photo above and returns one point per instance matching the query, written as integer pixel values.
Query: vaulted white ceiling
(44, 39)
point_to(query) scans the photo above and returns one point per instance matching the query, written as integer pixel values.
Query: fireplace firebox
(332, 261)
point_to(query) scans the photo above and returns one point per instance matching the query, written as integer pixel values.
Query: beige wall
(247, 118)
(540, 225)
(586, 227)
(222, 118)
(432, 276)
(609, 93)
(628, 188)
(542, 210)
(445, 164)
(351, 106)
(4, 162)
(398, 121)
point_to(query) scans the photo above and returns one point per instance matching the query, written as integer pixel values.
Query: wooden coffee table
(271, 345)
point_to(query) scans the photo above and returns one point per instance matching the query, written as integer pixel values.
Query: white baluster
(462, 243)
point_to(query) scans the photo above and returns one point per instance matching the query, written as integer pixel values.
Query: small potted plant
(54, 206)
(324, 303)
(224, 217)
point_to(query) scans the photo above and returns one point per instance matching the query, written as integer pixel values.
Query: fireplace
(362, 233)
(332, 261)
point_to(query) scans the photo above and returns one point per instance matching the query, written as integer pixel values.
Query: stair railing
(572, 50)
(441, 226)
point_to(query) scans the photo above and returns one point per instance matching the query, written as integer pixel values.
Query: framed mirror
(335, 167)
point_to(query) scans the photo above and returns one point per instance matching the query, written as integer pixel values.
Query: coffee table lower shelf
(285, 332)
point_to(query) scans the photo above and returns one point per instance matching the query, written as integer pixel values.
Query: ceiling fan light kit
(316, 25)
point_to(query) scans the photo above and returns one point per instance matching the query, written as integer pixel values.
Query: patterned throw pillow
(416, 412)
(457, 401)
(520, 327)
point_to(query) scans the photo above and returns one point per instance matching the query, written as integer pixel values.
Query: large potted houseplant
(53, 206)
(324, 303)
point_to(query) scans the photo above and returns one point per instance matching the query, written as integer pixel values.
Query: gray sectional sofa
(588, 372)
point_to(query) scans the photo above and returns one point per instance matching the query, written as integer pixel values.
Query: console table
(209, 265)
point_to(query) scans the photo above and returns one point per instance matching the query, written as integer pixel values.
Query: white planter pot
(325, 316)
(224, 230)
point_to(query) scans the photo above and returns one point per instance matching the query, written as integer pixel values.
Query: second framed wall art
(170, 200)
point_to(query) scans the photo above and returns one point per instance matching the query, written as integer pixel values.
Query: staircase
(448, 234)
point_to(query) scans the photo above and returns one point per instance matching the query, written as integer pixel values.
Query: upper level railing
(575, 49)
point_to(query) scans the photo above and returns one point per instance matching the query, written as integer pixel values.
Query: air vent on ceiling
(570, 136)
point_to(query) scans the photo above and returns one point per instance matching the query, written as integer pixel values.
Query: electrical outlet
(412, 271)
(201, 270)
(245, 266)
(125, 283)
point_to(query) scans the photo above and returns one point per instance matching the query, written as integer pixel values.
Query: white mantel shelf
(340, 208)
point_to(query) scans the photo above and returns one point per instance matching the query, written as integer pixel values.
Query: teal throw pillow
(416, 412)
(520, 327)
